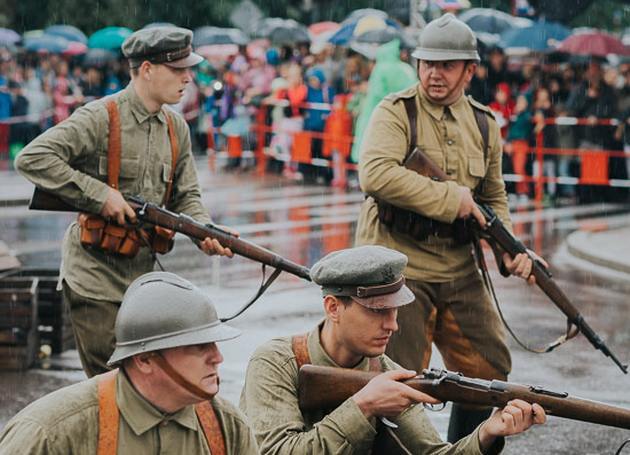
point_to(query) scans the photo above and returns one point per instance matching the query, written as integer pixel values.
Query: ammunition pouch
(421, 227)
(96, 233)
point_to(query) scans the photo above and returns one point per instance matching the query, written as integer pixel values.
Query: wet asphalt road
(304, 223)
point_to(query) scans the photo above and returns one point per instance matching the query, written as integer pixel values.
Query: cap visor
(192, 60)
(399, 298)
(213, 334)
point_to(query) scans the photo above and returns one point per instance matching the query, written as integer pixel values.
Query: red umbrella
(596, 44)
(321, 27)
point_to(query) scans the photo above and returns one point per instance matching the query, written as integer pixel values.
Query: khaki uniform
(70, 160)
(269, 399)
(66, 421)
(456, 311)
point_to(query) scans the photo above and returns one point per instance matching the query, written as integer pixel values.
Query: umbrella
(485, 20)
(109, 38)
(540, 36)
(75, 48)
(596, 44)
(68, 32)
(8, 36)
(159, 24)
(46, 43)
(217, 51)
(380, 36)
(322, 27)
(99, 58)
(353, 29)
(452, 5)
(204, 36)
(359, 13)
(282, 31)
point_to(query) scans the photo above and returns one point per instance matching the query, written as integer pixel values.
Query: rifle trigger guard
(434, 407)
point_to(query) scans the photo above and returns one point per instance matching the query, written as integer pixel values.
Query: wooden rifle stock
(153, 214)
(321, 388)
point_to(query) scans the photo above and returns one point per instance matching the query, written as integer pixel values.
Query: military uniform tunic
(269, 400)
(70, 160)
(451, 139)
(66, 422)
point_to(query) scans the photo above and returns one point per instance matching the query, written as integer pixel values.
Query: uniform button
(164, 423)
(450, 142)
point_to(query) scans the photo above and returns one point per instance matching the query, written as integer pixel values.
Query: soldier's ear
(332, 306)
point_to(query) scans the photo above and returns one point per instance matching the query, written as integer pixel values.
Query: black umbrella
(204, 36)
(282, 31)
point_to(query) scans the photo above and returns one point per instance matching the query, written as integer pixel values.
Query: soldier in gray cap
(127, 144)
(363, 290)
(459, 135)
(163, 399)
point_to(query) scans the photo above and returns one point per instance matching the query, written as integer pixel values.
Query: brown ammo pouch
(97, 233)
(411, 223)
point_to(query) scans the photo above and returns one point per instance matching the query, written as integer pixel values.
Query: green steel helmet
(447, 38)
(161, 310)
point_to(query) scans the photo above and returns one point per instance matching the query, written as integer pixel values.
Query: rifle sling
(571, 332)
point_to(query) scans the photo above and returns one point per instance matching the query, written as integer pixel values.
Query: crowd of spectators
(301, 86)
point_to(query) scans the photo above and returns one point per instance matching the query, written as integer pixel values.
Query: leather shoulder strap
(300, 349)
(211, 428)
(412, 114)
(108, 414)
(174, 153)
(482, 122)
(114, 144)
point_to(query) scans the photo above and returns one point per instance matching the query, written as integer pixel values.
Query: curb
(599, 248)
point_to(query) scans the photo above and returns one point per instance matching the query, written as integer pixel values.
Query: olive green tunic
(66, 422)
(452, 140)
(70, 160)
(269, 399)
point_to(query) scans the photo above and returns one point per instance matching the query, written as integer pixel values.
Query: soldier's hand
(117, 209)
(522, 265)
(385, 396)
(468, 206)
(212, 246)
(516, 417)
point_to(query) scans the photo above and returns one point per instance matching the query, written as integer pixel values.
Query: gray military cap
(161, 310)
(166, 45)
(370, 275)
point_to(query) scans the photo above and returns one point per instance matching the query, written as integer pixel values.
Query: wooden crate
(19, 337)
(55, 327)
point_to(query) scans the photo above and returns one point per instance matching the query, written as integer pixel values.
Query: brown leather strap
(179, 379)
(211, 428)
(114, 144)
(412, 114)
(482, 123)
(108, 414)
(300, 349)
(299, 345)
(174, 153)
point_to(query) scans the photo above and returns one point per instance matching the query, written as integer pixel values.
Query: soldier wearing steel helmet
(452, 307)
(162, 398)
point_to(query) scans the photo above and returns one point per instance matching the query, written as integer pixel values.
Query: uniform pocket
(129, 168)
(476, 167)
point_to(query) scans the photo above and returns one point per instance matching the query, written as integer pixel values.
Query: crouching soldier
(161, 399)
(363, 288)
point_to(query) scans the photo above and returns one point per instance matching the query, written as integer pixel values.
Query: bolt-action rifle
(327, 387)
(153, 214)
(501, 240)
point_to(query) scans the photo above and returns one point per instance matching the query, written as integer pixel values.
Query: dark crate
(19, 337)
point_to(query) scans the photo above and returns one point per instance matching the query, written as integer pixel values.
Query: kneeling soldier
(363, 288)
(163, 397)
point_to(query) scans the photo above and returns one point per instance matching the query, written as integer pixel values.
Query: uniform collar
(138, 108)
(320, 357)
(437, 111)
(141, 415)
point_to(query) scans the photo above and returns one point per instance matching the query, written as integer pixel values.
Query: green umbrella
(109, 38)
